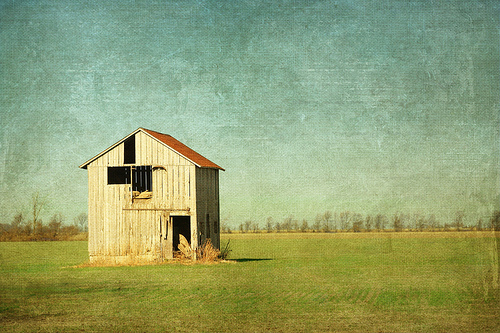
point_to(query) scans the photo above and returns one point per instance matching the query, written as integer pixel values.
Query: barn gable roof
(171, 143)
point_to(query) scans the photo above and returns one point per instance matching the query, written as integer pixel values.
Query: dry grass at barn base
(206, 254)
(132, 263)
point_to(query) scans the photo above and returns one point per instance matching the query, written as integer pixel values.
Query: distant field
(357, 235)
(390, 282)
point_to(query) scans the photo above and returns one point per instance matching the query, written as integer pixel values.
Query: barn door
(181, 226)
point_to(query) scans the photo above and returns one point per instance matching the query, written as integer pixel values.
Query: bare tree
(432, 222)
(380, 222)
(17, 221)
(317, 222)
(357, 224)
(37, 205)
(345, 220)
(327, 216)
(304, 226)
(397, 222)
(269, 224)
(16, 228)
(81, 221)
(420, 223)
(368, 223)
(495, 221)
(495, 226)
(335, 220)
(479, 225)
(459, 220)
(287, 223)
(247, 225)
(55, 224)
(223, 226)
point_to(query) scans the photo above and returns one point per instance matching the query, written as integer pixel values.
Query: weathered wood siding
(207, 205)
(120, 226)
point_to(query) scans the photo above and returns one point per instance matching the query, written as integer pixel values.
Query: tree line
(32, 228)
(354, 222)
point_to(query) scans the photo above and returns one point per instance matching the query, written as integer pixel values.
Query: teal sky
(368, 106)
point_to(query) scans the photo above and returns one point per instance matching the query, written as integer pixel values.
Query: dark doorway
(181, 225)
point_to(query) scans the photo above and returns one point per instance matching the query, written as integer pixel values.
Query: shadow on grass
(249, 259)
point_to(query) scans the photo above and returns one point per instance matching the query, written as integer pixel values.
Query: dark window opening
(118, 175)
(142, 178)
(129, 150)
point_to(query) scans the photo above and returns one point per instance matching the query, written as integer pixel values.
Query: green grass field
(277, 282)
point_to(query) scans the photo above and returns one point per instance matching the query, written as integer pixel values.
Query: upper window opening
(118, 175)
(142, 178)
(129, 150)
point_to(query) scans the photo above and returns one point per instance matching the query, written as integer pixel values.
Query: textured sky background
(369, 106)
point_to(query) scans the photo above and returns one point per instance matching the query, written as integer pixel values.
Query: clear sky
(368, 106)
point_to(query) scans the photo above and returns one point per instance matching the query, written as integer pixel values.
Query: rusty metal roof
(183, 150)
(171, 143)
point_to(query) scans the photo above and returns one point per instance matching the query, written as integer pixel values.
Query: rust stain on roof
(183, 149)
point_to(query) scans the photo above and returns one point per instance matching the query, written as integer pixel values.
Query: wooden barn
(145, 191)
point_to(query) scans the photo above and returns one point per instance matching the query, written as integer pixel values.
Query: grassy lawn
(277, 282)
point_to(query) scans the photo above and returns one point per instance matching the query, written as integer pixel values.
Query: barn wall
(174, 181)
(173, 175)
(120, 226)
(207, 205)
(106, 220)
